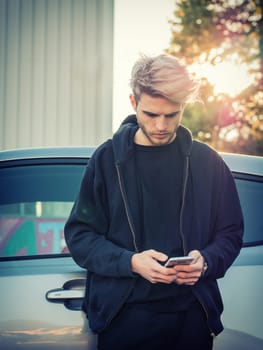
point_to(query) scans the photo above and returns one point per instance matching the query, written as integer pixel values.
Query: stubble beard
(169, 137)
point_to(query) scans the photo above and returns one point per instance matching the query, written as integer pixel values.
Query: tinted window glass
(39, 183)
(35, 202)
(251, 194)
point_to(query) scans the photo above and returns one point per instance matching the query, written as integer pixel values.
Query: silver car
(42, 288)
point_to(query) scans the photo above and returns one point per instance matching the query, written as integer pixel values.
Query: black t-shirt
(159, 184)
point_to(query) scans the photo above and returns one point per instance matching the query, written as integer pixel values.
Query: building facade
(56, 69)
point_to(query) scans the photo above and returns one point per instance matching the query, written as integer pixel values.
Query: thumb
(195, 254)
(158, 255)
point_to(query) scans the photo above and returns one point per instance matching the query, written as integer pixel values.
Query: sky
(140, 27)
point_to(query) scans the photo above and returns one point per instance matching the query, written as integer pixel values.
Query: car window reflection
(35, 203)
(33, 228)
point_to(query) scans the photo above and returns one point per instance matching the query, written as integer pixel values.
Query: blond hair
(163, 76)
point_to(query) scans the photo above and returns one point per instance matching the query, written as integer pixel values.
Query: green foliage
(213, 31)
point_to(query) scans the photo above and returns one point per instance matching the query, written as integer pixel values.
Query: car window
(251, 194)
(35, 202)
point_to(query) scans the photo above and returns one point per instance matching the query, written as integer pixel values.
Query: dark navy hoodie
(102, 230)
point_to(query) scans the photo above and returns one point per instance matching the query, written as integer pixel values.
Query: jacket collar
(123, 144)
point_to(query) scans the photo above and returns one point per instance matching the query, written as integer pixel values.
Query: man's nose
(161, 123)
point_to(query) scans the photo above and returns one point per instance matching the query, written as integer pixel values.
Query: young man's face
(158, 120)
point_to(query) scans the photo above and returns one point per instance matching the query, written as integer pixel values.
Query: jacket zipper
(183, 202)
(198, 298)
(181, 229)
(124, 197)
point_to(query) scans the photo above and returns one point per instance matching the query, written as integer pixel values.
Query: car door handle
(71, 294)
(61, 294)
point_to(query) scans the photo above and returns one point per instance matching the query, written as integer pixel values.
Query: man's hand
(190, 274)
(147, 264)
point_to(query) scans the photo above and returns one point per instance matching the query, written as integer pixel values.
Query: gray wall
(56, 62)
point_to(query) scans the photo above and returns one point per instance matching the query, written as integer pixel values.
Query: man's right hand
(147, 264)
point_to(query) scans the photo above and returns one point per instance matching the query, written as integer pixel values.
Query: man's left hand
(190, 274)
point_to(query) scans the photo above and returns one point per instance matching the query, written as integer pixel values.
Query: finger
(161, 278)
(187, 276)
(196, 255)
(157, 255)
(152, 281)
(184, 282)
(188, 269)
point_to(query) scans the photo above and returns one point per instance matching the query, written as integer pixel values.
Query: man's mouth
(161, 135)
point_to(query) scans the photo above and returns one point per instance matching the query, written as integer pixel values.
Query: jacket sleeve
(228, 224)
(86, 230)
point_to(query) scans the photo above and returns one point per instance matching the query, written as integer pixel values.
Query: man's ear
(133, 102)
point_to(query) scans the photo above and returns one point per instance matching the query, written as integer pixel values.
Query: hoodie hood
(123, 144)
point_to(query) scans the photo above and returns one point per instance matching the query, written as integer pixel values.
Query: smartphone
(179, 260)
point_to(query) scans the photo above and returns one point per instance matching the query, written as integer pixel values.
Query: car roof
(244, 163)
(47, 152)
(236, 162)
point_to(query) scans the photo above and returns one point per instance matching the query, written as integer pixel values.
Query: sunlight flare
(228, 77)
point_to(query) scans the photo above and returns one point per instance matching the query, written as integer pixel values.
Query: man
(148, 194)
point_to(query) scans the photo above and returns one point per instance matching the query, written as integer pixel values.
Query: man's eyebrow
(170, 115)
(151, 114)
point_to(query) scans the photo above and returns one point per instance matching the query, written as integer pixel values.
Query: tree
(216, 31)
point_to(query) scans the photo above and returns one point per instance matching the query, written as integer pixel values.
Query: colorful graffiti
(31, 236)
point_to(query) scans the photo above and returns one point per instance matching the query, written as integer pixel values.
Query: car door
(242, 286)
(41, 287)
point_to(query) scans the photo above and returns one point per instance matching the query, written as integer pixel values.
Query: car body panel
(242, 286)
(31, 321)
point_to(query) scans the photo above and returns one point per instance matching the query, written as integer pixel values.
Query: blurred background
(65, 68)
